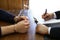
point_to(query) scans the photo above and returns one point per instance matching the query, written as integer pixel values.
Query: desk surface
(20, 37)
(16, 36)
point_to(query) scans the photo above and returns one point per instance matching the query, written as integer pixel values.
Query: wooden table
(17, 36)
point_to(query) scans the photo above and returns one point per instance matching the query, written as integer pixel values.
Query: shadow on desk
(17, 36)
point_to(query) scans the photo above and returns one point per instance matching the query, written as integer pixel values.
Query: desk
(20, 37)
(16, 36)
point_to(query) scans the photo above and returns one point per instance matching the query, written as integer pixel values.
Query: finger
(26, 30)
(44, 16)
(46, 19)
(23, 31)
(27, 27)
(27, 22)
(47, 15)
(24, 17)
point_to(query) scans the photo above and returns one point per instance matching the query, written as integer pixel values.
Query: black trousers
(6, 16)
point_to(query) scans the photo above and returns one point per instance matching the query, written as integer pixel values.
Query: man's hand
(22, 26)
(47, 16)
(42, 29)
(19, 18)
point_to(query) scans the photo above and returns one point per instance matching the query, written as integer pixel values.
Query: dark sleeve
(57, 14)
(0, 32)
(55, 32)
(6, 16)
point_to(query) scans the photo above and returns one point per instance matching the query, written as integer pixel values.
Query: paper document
(50, 21)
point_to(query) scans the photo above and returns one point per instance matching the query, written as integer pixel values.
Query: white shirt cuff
(49, 30)
(54, 15)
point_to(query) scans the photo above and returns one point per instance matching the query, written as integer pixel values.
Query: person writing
(20, 24)
(54, 32)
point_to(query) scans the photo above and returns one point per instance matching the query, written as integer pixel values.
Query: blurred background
(38, 7)
(13, 6)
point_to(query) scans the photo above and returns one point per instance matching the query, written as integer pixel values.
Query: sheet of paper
(38, 15)
(50, 21)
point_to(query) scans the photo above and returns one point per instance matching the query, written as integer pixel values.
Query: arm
(49, 16)
(20, 27)
(6, 30)
(8, 17)
(54, 32)
(42, 29)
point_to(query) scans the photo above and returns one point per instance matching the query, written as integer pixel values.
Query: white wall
(38, 7)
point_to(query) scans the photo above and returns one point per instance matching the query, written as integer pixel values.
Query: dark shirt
(7, 17)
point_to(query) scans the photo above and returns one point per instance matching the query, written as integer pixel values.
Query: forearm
(7, 30)
(42, 29)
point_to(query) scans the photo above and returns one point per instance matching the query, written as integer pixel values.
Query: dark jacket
(55, 31)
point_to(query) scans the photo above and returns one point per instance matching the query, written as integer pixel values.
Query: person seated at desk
(20, 23)
(54, 32)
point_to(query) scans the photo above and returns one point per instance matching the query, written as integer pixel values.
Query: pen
(45, 12)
